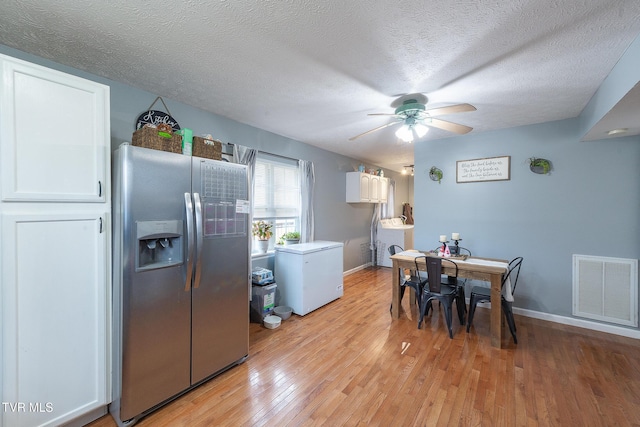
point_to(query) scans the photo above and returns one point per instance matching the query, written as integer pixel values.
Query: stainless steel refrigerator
(181, 275)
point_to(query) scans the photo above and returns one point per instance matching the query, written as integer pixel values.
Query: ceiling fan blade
(382, 114)
(374, 130)
(451, 127)
(459, 108)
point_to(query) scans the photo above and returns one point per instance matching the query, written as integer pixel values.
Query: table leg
(496, 310)
(412, 297)
(395, 291)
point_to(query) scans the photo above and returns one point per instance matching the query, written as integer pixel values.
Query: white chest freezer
(309, 275)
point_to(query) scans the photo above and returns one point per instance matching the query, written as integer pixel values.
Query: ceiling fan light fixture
(421, 130)
(406, 169)
(405, 133)
(413, 115)
(617, 131)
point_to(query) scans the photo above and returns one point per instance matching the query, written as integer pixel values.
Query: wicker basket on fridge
(208, 148)
(148, 137)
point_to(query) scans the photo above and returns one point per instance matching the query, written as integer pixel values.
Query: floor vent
(606, 289)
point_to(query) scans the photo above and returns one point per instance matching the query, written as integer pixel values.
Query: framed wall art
(486, 169)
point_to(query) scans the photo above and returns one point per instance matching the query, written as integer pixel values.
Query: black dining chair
(414, 281)
(435, 289)
(394, 249)
(458, 283)
(417, 282)
(483, 294)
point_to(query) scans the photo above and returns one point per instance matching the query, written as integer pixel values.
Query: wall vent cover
(606, 289)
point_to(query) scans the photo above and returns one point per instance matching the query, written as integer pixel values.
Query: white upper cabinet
(384, 190)
(54, 135)
(366, 188)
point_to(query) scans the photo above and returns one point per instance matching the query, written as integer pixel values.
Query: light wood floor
(349, 363)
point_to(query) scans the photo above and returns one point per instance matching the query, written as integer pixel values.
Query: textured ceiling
(312, 70)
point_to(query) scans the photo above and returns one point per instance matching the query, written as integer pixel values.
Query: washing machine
(392, 231)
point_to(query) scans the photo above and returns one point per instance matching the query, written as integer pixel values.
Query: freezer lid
(305, 248)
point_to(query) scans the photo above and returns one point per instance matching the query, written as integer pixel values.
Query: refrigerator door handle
(189, 214)
(199, 239)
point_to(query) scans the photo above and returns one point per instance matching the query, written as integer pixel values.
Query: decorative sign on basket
(487, 169)
(156, 117)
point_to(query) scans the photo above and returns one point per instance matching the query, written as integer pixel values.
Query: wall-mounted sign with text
(487, 169)
(156, 117)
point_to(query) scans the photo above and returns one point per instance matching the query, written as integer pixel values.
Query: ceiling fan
(414, 117)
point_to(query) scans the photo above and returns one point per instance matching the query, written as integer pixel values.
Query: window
(276, 195)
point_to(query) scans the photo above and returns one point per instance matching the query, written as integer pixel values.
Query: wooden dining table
(469, 270)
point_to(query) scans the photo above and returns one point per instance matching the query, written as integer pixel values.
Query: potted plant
(262, 231)
(291, 238)
(435, 174)
(540, 166)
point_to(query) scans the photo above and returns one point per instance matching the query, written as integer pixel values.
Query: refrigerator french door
(181, 275)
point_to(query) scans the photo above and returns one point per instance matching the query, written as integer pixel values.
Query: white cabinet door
(363, 187)
(55, 312)
(384, 190)
(54, 135)
(374, 189)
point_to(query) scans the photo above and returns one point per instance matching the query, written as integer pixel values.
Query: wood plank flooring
(350, 364)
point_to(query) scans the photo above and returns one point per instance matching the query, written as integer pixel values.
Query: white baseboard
(353, 270)
(580, 323)
(572, 321)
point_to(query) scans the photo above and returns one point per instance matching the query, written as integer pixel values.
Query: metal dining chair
(414, 280)
(435, 289)
(482, 294)
(394, 249)
(417, 282)
(458, 283)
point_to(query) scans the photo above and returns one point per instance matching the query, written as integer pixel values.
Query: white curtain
(307, 183)
(374, 232)
(247, 156)
(388, 210)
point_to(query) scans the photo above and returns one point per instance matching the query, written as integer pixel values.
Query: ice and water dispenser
(159, 244)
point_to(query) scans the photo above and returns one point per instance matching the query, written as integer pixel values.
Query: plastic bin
(263, 300)
(261, 276)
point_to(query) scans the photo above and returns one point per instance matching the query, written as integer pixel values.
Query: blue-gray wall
(589, 204)
(334, 218)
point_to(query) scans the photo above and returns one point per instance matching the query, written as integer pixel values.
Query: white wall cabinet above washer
(366, 188)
